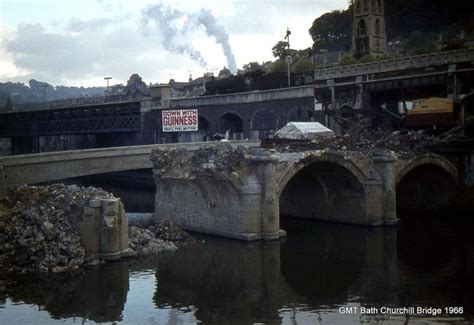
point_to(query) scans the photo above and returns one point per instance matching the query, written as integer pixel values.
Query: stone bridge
(239, 192)
(240, 189)
(55, 166)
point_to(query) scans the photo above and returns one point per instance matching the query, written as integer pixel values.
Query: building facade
(368, 30)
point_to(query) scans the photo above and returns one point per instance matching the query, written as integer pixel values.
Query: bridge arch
(263, 123)
(325, 187)
(300, 114)
(426, 183)
(233, 122)
(203, 123)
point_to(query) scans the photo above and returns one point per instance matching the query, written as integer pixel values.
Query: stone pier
(103, 230)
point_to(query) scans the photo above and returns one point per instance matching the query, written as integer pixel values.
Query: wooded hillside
(407, 21)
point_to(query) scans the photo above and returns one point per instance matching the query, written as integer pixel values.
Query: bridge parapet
(404, 63)
(54, 166)
(247, 97)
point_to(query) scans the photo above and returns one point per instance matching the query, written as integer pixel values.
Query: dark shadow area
(437, 251)
(322, 261)
(232, 123)
(324, 191)
(425, 189)
(225, 280)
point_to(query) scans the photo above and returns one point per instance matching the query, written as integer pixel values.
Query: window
(361, 29)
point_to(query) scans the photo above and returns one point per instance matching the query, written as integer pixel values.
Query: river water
(313, 276)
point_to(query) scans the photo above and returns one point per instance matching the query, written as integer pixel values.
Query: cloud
(124, 39)
(104, 4)
(56, 57)
(78, 25)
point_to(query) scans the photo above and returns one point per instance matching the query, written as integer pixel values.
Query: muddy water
(314, 276)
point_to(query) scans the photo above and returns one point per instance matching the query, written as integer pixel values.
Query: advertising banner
(182, 120)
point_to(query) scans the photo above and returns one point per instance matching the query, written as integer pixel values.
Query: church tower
(368, 28)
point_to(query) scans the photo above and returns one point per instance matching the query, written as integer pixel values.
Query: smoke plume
(205, 18)
(175, 27)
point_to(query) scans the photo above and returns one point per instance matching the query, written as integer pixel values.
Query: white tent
(303, 130)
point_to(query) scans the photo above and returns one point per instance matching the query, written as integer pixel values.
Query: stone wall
(219, 190)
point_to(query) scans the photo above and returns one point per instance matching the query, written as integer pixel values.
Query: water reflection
(437, 260)
(97, 295)
(304, 279)
(225, 280)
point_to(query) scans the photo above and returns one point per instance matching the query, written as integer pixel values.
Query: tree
(419, 43)
(347, 59)
(251, 67)
(280, 50)
(279, 66)
(332, 31)
(303, 66)
(366, 59)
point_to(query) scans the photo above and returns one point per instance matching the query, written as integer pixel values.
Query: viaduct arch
(426, 183)
(315, 186)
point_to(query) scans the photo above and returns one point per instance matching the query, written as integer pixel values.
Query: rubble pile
(405, 144)
(217, 161)
(169, 231)
(37, 231)
(36, 227)
(144, 242)
(166, 236)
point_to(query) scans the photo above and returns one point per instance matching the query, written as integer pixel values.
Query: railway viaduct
(374, 87)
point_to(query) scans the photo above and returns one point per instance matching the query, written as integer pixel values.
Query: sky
(79, 42)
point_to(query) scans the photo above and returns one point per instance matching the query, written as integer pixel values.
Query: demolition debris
(37, 232)
(405, 145)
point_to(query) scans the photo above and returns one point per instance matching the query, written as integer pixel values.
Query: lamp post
(107, 91)
(288, 57)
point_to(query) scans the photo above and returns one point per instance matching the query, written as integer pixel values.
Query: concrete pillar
(251, 208)
(162, 94)
(374, 202)
(360, 96)
(123, 229)
(384, 164)
(89, 229)
(270, 216)
(109, 230)
(452, 82)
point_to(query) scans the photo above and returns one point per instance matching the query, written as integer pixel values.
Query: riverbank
(38, 234)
